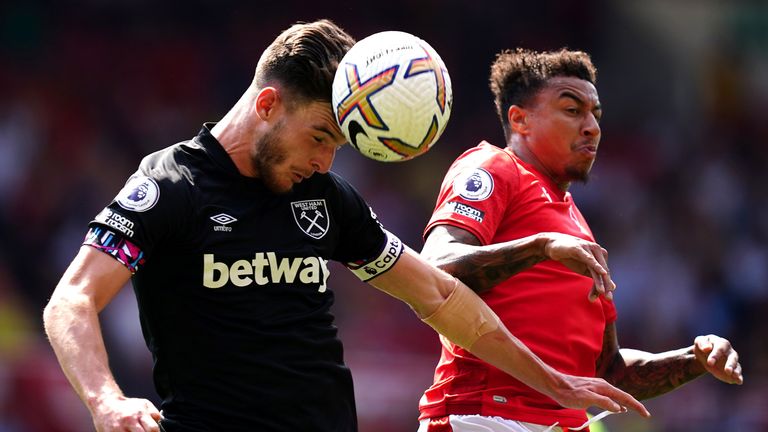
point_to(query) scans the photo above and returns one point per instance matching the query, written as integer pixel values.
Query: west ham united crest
(311, 216)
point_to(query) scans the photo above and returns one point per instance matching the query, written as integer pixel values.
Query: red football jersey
(491, 193)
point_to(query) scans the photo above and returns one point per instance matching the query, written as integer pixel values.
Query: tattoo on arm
(460, 253)
(645, 375)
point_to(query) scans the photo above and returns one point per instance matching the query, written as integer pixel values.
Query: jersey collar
(216, 151)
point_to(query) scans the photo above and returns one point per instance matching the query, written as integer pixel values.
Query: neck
(236, 133)
(523, 151)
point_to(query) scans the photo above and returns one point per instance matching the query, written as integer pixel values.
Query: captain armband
(120, 248)
(463, 317)
(368, 270)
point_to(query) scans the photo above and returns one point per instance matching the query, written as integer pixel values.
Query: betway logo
(263, 269)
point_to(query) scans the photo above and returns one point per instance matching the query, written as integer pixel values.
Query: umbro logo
(223, 220)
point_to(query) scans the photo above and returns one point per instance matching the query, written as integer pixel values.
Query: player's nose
(323, 159)
(591, 127)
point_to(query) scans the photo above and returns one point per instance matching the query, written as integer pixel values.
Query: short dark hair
(517, 76)
(303, 59)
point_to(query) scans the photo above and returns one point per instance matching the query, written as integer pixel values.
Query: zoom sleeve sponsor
(466, 210)
(117, 221)
(367, 270)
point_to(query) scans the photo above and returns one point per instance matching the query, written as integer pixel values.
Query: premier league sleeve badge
(139, 194)
(474, 185)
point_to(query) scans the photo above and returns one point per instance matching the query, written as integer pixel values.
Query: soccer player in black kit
(226, 238)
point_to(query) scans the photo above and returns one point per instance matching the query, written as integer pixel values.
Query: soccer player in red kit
(231, 276)
(498, 214)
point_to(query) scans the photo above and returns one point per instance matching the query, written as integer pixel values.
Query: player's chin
(283, 190)
(579, 173)
(279, 186)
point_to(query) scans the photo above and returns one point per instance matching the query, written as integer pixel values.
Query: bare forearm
(505, 351)
(645, 375)
(73, 330)
(482, 267)
(509, 354)
(457, 313)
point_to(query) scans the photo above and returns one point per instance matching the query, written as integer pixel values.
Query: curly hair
(303, 60)
(517, 76)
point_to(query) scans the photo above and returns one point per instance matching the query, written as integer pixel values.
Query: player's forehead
(319, 115)
(565, 87)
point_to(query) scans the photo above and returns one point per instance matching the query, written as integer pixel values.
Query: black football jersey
(231, 283)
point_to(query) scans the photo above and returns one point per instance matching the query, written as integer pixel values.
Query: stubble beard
(266, 156)
(579, 171)
(577, 174)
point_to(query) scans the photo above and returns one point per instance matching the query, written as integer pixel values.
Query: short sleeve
(144, 213)
(476, 192)
(362, 236)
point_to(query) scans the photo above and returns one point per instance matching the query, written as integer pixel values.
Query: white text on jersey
(263, 269)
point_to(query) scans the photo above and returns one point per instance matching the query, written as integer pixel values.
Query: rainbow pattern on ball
(392, 96)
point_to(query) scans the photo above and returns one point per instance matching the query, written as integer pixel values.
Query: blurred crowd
(678, 194)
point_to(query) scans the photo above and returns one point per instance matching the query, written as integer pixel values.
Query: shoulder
(485, 151)
(488, 158)
(178, 167)
(489, 155)
(484, 167)
(334, 183)
(170, 163)
(335, 179)
(162, 177)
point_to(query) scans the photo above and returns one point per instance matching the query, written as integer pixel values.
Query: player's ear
(266, 101)
(518, 119)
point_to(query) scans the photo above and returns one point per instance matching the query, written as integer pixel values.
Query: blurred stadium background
(678, 194)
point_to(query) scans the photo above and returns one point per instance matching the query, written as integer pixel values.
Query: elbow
(448, 267)
(442, 262)
(452, 268)
(52, 315)
(472, 280)
(61, 311)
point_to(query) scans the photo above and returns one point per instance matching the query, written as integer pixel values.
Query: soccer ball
(392, 96)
